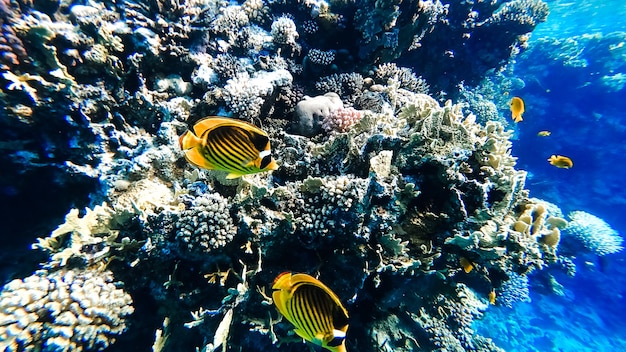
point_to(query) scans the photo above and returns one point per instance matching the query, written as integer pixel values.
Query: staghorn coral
(65, 310)
(75, 237)
(404, 75)
(593, 233)
(320, 57)
(527, 13)
(347, 85)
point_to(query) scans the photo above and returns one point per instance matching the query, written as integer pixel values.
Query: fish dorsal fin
(209, 123)
(212, 122)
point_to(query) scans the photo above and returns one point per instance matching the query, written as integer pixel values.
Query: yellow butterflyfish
(234, 146)
(517, 109)
(315, 310)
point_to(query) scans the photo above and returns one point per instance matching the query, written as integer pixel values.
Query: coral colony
(383, 183)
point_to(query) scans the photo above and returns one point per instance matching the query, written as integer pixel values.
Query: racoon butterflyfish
(221, 143)
(313, 308)
(517, 109)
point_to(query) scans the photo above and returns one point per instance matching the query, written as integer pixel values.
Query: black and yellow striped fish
(313, 308)
(221, 143)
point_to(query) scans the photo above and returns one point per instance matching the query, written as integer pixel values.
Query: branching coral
(515, 289)
(593, 233)
(341, 120)
(65, 310)
(207, 225)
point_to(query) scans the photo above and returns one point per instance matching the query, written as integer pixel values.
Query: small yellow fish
(544, 133)
(560, 161)
(221, 143)
(466, 264)
(492, 297)
(313, 308)
(517, 109)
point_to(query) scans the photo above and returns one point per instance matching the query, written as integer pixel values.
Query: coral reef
(381, 188)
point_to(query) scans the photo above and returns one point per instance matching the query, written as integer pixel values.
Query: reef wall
(383, 191)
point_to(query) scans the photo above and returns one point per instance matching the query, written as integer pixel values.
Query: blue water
(588, 125)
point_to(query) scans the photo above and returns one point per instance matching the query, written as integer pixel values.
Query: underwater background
(398, 184)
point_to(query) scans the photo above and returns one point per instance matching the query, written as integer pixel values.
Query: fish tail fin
(188, 140)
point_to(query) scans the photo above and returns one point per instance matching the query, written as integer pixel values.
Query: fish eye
(265, 161)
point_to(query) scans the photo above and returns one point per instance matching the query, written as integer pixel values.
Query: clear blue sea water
(588, 124)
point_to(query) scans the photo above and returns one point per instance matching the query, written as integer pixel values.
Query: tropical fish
(466, 264)
(544, 133)
(492, 297)
(313, 308)
(517, 109)
(560, 161)
(221, 143)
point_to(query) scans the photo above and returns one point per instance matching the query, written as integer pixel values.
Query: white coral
(284, 31)
(68, 310)
(245, 95)
(594, 233)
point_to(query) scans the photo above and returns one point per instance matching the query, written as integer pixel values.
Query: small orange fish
(492, 297)
(466, 264)
(517, 109)
(544, 133)
(560, 161)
